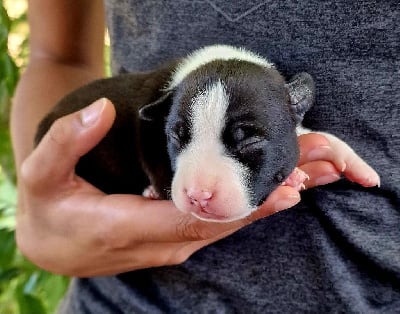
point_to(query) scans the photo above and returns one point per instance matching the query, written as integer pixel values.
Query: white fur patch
(300, 130)
(212, 53)
(208, 111)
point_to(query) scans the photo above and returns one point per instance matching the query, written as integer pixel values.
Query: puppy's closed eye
(246, 137)
(178, 135)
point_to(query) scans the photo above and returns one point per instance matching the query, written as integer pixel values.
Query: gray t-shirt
(339, 250)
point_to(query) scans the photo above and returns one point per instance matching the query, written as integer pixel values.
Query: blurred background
(24, 288)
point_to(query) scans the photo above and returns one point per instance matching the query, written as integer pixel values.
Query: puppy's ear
(301, 89)
(158, 109)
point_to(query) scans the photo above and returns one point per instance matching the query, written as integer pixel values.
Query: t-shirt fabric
(338, 251)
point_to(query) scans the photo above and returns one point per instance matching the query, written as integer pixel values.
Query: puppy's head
(231, 133)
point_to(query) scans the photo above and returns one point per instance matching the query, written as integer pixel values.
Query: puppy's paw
(296, 179)
(151, 193)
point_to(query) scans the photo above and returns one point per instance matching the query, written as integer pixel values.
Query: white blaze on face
(208, 183)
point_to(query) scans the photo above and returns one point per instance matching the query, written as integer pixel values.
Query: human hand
(332, 154)
(67, 226)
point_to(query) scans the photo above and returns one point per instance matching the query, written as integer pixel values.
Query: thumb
(54, 159)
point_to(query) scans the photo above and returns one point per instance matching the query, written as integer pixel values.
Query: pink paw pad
(296, 179)
(151, 193)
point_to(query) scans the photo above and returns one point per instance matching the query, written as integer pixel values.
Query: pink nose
(199, 198)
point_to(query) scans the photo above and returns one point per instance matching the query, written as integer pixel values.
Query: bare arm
(66, 44)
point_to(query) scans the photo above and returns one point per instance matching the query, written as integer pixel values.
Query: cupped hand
(67, 226)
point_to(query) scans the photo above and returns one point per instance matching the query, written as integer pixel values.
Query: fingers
(152, 220)
(69, 138)
(280, 199)
(320, 173)
(355, 168)
(314, 146)
(321, 146)
(161, 221)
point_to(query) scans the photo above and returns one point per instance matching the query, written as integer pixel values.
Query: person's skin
(64, 224)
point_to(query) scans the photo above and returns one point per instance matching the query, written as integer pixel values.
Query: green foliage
(8, 69)
(23, 287)
(8, 79)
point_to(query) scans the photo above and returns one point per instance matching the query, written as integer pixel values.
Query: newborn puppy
(215, 131)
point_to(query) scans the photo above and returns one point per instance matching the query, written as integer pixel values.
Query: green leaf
(6, 159)
(8, 73)
(28, 303)
(8, 248)
(52, 288)
(7, 275)
(5, 24)
(16, 21)
(4, 18)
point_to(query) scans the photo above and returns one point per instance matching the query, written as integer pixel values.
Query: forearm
(44, 82)
(66, 50)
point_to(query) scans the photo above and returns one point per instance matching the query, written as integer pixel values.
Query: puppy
(216, 132)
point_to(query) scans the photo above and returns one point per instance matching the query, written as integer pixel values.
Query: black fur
(133, 152)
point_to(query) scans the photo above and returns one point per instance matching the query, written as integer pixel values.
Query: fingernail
(371, 181)
(290, 201)
(91, 114)
(327, 179)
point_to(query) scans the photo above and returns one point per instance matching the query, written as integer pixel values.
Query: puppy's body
(133, 153)
(220, 128)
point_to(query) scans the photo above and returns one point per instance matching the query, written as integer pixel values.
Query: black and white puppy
(216, 132)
